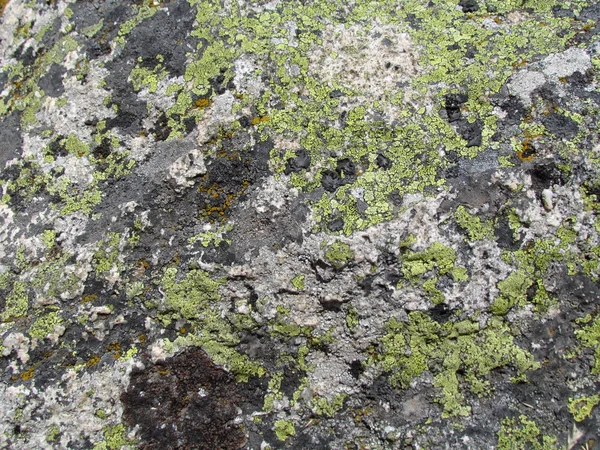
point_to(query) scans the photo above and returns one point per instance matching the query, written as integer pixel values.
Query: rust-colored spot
(527, 152)
(261, 119)
(89, 298)
(27, 375)
(93, 361)
(115, 349)
(202, 103)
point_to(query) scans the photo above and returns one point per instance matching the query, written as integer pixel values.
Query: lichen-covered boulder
(301, 225)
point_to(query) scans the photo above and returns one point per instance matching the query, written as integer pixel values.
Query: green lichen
(436, 257)
(107, 255)
(75, 146)
(474, 226)
(457, 354)
(53, 434)
(45, 325)
(194, 298)
(189, 297)
(284, 429)
(513, 291)
(17, 303)
(298, 282)
(589, 336)
(142, 77)
(115, 438)
(352, 319)
(135, 289)
(339, 254)
(323, 406)
(521, 433)
(581, 407)
(5, 278)
(92, 30)
(49, 238)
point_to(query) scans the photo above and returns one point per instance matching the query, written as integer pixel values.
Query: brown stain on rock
(184, 402)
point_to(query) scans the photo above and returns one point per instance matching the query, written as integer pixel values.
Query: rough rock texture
(320, 224)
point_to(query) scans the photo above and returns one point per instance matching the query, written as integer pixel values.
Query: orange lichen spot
(89, 298)
(202, 103)
(27, 375)
(114, 348)
(164, 371)
(93, 361)
(142, 338)
(182, 330)
(3, 4)
(527, 152)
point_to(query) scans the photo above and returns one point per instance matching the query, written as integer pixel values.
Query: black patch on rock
(453, 103)
(161, 128)
(561, 126)
(515, 111)
(471, 132)
(88, 13)
(300, 162)
(440, 313)
(26, 55)
(104, 149)
(336, 225)
(10, 138)
(468, 5)
(51, 83)
(544, 175)
(356, 369)
(558, 11)
(345, 173)
(184, 402)
(346, 169)
(383, 162)
(505, 236)
(56, 147)
(330, 180)
(165, 33)
(591, 12)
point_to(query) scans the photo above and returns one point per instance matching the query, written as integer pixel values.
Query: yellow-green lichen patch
(115, 438)
(189, 297)
(106, 258)
(456, 353)
(423, 269)
(142, 77)
(17, 302)
(49, 238)
(473, 225)
(298, 282)
(194, 298)
(513, 291)
(328, 407)
(284, 429)
(581, 407)
(53, 434)
(338, 254)
(519, 433)
(589, 336)
(45, 325)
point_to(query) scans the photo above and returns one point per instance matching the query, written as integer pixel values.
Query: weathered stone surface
(317, 224)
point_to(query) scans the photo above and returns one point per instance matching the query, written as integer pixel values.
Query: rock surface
(317, 224)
